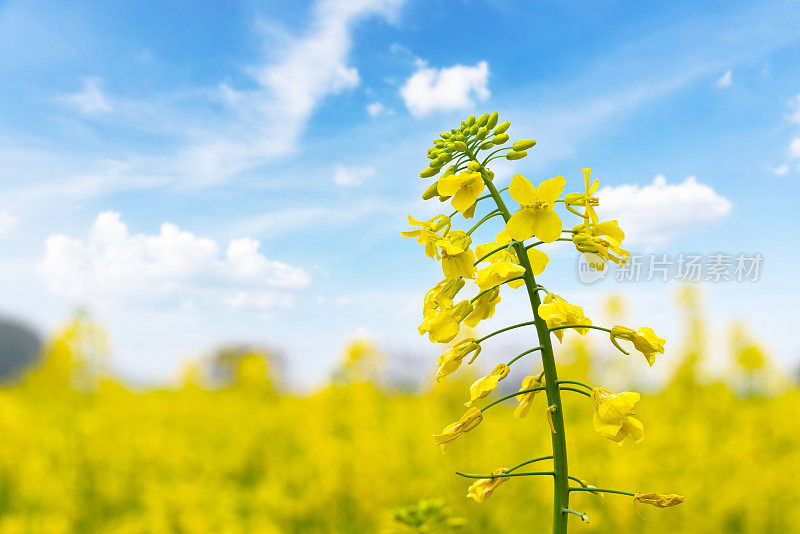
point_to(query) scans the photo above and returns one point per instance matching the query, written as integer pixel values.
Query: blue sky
(198, 173)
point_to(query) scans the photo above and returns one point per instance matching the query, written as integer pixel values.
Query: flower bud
(487, 145)
(502, 127)
(481, 133)
(427, 173)
(523, 144)
(482, 120)
(473, 166)
(500, 139)
(492, 121)
(474, 130)
(460, 146)
(445, 135)
(431, 191)
(516, 155)
(470, 120)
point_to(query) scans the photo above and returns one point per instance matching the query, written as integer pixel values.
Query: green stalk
(558, 439)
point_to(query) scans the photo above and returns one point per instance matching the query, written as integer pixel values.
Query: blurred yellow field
(248, 458)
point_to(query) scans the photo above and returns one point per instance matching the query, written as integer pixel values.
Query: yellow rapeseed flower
(657, 500)
(467, 422)
(484, 307)
(585, 199)
(465, 188)
(558, 312)
(428, 233)
(526, 399)
(485, 385)
(613, 416)
(603, 239)
(497, 273)
(483, 488)
(536, 257)
(457, 258)
(644, 340)
(536, 217)
(442, 294)
(450, 361)
(443, 325)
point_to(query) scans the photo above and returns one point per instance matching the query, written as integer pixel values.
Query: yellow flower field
(83, 453)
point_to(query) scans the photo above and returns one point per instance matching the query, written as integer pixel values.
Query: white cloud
(781, 170)
(794, 148)
(90, 99)
(7, 222)
(726, 79)
(374, 109)
(113, 265)
(430, 89)
(660, 211)
(351, 176)
(794, 105)
(302, 72)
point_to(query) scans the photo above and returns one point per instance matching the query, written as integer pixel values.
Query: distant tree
(19, 348)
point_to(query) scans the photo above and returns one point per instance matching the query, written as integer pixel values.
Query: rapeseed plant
(510, 261)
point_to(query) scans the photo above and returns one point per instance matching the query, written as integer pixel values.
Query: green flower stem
(498, 249)
(587, 386)
(485, 161)
(583, 517)
(476, 297)
(601, 490)
(580, 326)
(512, 395)
(492, 476)
(518, 356)
(545, 242)
(582, 392)
(579, 481)
(495, 213)
(523, 464)
(487, 336)
(490, 196)
(558, 438)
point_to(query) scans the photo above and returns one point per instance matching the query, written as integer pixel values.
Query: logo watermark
(714, 268)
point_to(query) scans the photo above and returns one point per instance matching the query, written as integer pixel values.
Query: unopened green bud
(438, 143)
(445, 135)
(427, 173)
(460, 146)
(448, 146)
(431, 191)
(523, 144)
(500, 139)
(490, 174)
(441, 160)
(463, 124)
(502, 127)
(492, 121)
(473, 166)
(470, 120)
(483, 119)
(473, 130)
(481, 133)
(514, 154)
(451, 169)
(487, 145)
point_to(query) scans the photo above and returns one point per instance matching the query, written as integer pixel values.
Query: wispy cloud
(725, 80)
(90, 99)
(7, 222)
(351, 176)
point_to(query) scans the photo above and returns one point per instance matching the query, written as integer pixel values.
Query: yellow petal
(450, 184)
(538, 260)
(464, 199)
(546, 225)
(521, 225)
(551, 189)
(522, 190)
